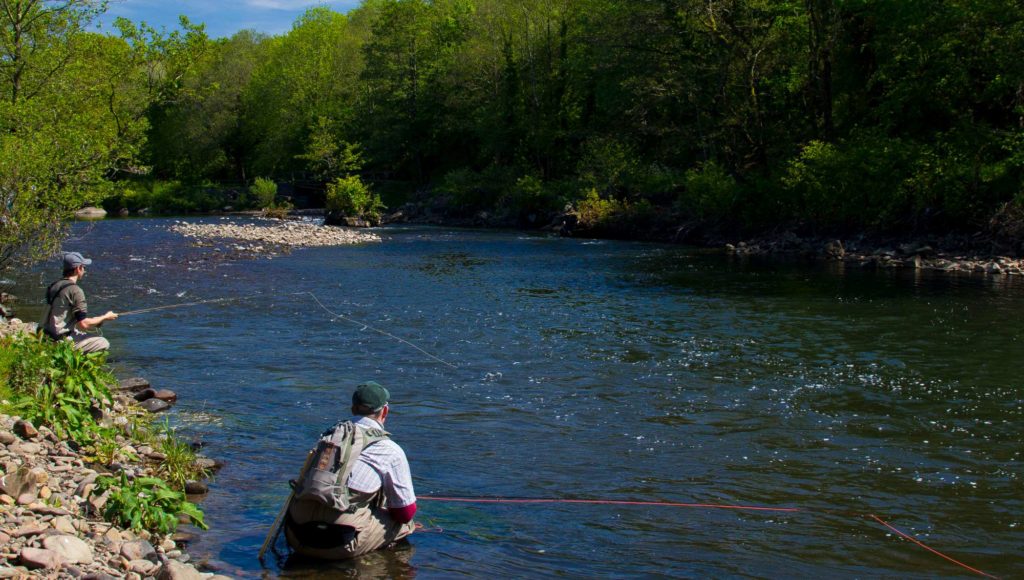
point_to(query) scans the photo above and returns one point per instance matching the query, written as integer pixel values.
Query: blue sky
(222, 17)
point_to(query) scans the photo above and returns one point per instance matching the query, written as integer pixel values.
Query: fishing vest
(56, 290)
(326, 479)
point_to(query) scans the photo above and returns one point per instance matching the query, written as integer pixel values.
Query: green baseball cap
(370, 394)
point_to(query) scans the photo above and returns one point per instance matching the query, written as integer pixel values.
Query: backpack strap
(56, 289)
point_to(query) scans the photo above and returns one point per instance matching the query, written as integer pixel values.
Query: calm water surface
(593, 370)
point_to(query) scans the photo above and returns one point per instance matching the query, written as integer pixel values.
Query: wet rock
(36, 558)
(834, 250)
(183, 537)
(166, 395)
(98, 576)
(25, 430)
(133, 384)
(155, 405)
(138, 550)
(207, 463)
(144, 395)
(70, 548)
(196, 488)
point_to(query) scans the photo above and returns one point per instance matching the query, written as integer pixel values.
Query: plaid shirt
(382, 464)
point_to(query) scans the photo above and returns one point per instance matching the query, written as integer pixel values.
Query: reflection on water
(594, 370)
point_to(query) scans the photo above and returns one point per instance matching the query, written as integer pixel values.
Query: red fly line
(510, 500)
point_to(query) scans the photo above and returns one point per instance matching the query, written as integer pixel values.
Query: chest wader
(325, 484)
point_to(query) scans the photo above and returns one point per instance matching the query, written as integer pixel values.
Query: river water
(591, 370)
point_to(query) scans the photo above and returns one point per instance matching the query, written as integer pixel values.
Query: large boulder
(69, 548)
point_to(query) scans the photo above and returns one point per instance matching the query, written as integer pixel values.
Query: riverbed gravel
(275, 235)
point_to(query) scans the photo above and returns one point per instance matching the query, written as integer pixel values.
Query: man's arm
(403, 515)
(86, 324)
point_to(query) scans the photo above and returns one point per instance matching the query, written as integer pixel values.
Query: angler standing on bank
(67, 317)
(355, 494)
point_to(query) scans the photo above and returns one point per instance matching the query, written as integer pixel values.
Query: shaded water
(594, 370)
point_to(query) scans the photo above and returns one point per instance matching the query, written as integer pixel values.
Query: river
(577, 369)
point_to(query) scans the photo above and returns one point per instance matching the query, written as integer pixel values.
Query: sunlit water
(590, 369)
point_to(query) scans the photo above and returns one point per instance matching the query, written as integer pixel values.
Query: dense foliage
(823, 115)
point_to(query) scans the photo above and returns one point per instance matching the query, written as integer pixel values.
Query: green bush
(528, 198)
(595, 211)
(262, 194)
(709, 192)
(351, 197)
(55, 384)
(145, 503)
(851, 185)
(608, 166)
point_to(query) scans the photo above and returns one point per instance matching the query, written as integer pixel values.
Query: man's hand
(110, 315)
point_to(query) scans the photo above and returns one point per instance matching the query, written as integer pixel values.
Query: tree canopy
(823, 115)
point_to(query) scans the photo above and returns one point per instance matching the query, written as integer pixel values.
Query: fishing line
(334, 316)
(185, 304)
(756, 508)
(337, 316)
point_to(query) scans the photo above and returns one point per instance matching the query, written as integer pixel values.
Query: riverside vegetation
(706, 121)
(88, 479)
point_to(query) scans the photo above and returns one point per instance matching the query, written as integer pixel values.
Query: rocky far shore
(276, 236)
(919, 255)
(982, 253)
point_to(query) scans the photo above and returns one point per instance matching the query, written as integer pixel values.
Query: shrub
(145, 503)
(595, 211)
(351, 197)
(527, 198)
(709, 192)
(852, 184)
(608, 165)
(179, 464)
(56, 385)
(262, 193)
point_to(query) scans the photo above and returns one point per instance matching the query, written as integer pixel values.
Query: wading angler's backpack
(335, 454)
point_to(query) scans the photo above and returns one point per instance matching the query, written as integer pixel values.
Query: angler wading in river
(67, 316)
(355, 493)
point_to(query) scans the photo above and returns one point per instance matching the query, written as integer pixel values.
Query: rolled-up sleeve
(398, 482)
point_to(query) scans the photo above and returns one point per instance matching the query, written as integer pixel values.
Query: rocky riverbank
(275, 236)
(50, 517)
(49, 522)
